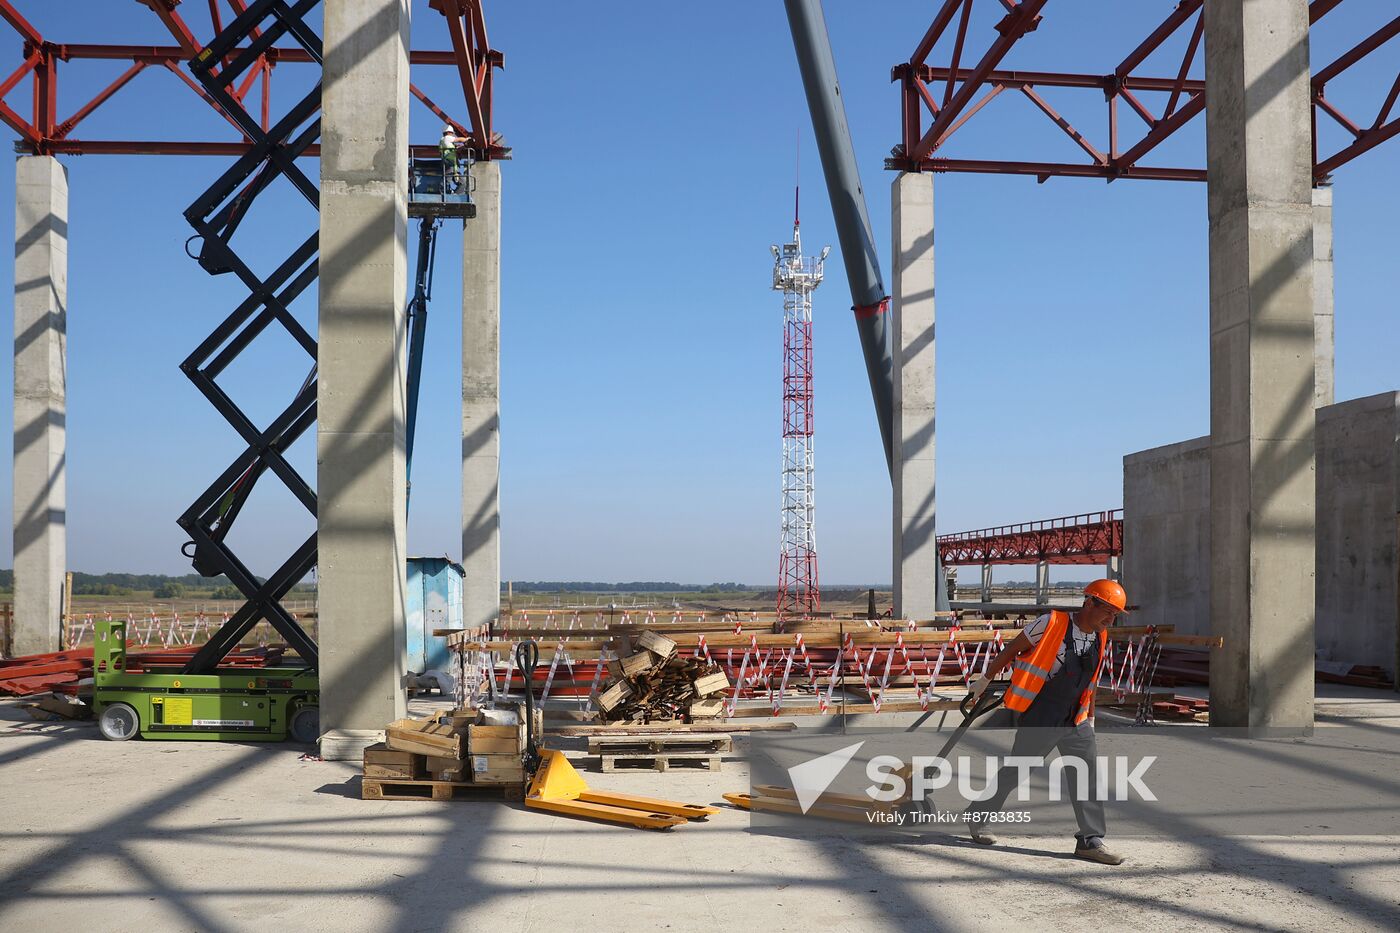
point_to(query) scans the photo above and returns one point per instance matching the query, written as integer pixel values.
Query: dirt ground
(202, 836)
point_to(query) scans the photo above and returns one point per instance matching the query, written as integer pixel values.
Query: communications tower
(797, 276)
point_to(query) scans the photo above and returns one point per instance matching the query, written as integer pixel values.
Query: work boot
(981, 836)
(1093, 850)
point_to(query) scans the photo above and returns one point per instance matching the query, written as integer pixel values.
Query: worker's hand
(980, 685)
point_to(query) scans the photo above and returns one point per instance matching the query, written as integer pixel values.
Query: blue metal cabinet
(434, 601)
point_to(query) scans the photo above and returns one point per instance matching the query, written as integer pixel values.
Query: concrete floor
(157, 836)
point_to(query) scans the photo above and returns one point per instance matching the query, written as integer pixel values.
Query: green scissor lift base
(242, 705)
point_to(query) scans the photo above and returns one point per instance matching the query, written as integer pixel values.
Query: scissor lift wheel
(119, 722)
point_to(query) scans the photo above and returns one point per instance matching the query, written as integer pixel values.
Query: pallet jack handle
(974, 708)
(527, 658)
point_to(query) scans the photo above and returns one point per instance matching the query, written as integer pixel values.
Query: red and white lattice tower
(797, 276)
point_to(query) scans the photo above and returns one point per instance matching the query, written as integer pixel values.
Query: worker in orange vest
(1055, 669)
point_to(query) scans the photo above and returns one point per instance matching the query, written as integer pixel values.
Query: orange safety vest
(1030, 672)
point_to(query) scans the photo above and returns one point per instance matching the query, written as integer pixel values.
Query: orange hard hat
(1108, 591)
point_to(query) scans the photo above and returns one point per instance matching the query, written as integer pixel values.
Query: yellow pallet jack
(774, 798)
(557, 787)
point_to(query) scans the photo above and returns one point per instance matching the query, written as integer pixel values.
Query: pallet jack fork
(557, 787)
(774, 798)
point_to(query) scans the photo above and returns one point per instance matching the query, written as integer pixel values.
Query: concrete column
(360, 436)
(41, 401)
(1042, 583)
(1262, 494)
(1324, 298)
(986, 583)
(1113, 568)
(481, 400)
(915, 547)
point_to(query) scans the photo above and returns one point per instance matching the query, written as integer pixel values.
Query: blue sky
(654, 162)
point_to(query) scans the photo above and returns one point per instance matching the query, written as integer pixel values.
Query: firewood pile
(655, 684)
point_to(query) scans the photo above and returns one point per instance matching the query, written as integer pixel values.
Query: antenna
(797, 186)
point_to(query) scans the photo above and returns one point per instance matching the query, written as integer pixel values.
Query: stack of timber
(462, 754)
(655, 684)
(660, 752)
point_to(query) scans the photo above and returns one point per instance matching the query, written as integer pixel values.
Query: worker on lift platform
(447, 148)
(1055, 672)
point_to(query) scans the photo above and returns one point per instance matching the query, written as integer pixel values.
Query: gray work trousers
(1071, 741)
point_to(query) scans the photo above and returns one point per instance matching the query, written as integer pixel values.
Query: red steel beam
(1184, 11)
(66, 127)
(20, 25)
(1047, 170)
(1023, 18)
(165, 11)
(182, 148)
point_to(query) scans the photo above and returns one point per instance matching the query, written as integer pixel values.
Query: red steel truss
(45, 133)
(950, 95)
(1091, 538)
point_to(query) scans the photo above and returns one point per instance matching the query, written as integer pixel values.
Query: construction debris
(59, 706)
(656, 684)
(463, 753)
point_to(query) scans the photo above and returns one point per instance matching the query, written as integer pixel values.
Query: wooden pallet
(377, 789)
(660, 744)
(660, 752)
(612, 764)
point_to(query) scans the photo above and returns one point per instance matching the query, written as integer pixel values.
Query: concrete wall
(1357, 464)
(1166, 533)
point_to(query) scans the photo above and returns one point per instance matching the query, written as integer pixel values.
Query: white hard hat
(447, 130)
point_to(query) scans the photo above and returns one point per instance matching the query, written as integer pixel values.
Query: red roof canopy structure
(44, 131)
(945, 84)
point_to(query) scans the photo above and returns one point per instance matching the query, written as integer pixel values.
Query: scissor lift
(206, 698)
